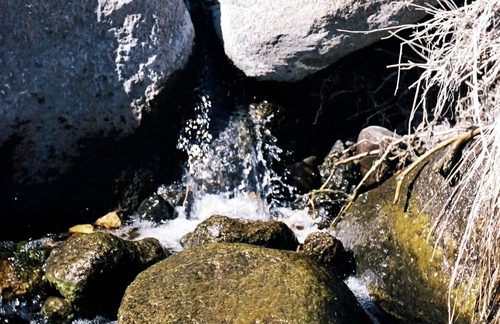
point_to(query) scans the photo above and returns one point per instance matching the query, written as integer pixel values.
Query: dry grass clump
(460, 52)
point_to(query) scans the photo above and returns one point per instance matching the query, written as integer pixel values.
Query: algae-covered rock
(57, 310)
(222, 229)
(238, 283)
(406, 270)
(326, 249)
(92, 270)
(21, 270)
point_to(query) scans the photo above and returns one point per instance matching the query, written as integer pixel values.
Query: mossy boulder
(406, 269)
(92, 270)
(223, 229)
(21, 273)
(238, 283)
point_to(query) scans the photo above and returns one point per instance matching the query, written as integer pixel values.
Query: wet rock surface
(238, 283)
(304, 175)
(326, 249)
(57, 310)
(222, 229)
(345, 176)
(21, 270)
(406, 270)
(156, 209)
(92, 270)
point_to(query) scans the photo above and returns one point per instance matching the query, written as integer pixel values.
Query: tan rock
(110, 220)
(84, 228)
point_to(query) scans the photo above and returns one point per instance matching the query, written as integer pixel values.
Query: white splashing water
(230, 175)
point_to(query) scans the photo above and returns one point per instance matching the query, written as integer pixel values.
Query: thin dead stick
(357, 157)
(354, 194)
(186, 196)
(458, 139)
(330, 191)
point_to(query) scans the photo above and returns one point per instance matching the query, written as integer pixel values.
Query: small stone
(57, 310)
(110, 220)
(156, 209)
(369, 139)
(84, 229)
(328, 250)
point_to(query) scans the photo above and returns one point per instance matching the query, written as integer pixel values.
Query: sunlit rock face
(71, 70)
(288, 40)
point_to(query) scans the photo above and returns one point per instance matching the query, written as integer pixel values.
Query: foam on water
(243, 206)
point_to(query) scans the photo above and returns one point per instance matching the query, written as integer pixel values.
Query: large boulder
(238, 283)
(288, 40)
(223, 229)
(92, 270)
(403, 259)
(75, 69)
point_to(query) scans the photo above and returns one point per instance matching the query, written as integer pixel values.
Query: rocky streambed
(223, 142)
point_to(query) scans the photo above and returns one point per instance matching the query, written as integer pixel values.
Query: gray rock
(288, 40)
(222, 229)
(369, 139)
(238, 283)
(71, 70)
(92, 270)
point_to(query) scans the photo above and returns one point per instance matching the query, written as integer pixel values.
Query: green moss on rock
(405, 268)
(21, 273)
(238, 283)
(222, 229)
(92, 270)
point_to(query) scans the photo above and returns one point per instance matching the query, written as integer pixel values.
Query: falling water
(231, 174)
